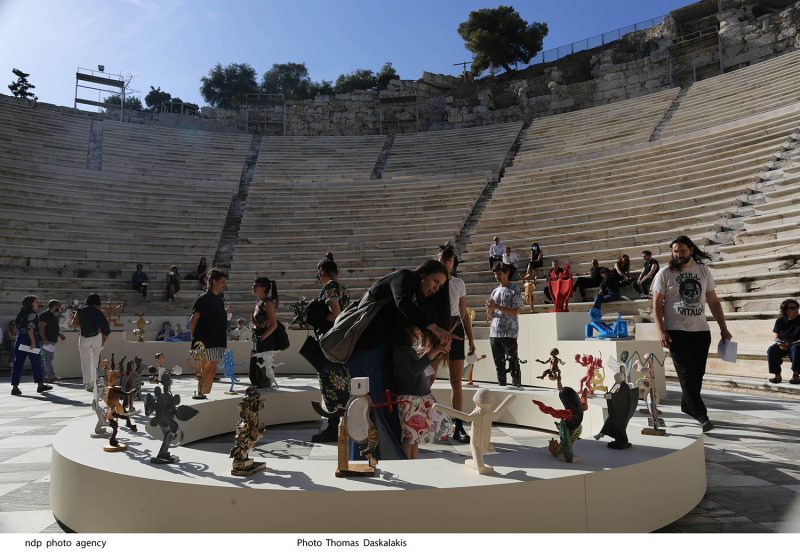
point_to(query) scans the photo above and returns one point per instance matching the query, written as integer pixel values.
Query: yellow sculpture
(139, 323)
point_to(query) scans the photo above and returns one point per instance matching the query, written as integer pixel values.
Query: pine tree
(21, 87)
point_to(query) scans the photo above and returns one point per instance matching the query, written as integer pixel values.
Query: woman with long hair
(334, 380)
(264, 323)
(28, 339)
(422, 297)
(461, 326)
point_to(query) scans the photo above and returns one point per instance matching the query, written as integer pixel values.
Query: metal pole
(284, 115)
(719, 45)
(75, 102)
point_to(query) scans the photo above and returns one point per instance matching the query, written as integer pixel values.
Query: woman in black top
(209, 325)
(94, 333)
(264, 324)
(27, 322)
(787, 342)
(421, 297)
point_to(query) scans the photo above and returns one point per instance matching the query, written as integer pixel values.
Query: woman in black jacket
(421, 297)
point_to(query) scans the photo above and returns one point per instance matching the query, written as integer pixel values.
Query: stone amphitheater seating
(68, 230)
(164, 152)
(317, 158)
(594, 129)
(58, 136)
(372, 228)
(641, 198)
(474, 150)
(738, 94)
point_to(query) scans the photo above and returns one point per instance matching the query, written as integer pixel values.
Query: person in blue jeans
(27, 339)
(609, 288)
(787, 342)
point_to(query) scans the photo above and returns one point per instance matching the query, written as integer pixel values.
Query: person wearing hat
(496, 251)
(50, 334)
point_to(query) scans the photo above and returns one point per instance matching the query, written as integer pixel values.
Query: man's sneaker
(15, 391)
(707, 425)
(43, 388)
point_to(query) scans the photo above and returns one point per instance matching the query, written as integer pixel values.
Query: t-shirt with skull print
(685, 296)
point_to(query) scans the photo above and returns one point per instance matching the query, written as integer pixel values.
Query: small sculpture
(481, 432)
(157, 371)
(165, 408)
(230, 370)
(300, 310)
(265, 362)
(112, 396)
(587, 383)
(648, 385)
(139, 323)
(113, 312)
(513, 364)
(131, 382)
(469, 365)
(561, 290)
(605, 331)
(621, 401)
(358, 426)
(249, 431)
(528, 289)
(199, 355)
(569, 422)
(552, 372)
(100, 428)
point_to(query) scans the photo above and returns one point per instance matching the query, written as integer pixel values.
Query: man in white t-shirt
(511, 259)
(680, 291)
(496, 251)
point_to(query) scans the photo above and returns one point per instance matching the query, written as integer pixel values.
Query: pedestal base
(115, 448)
(249, 469)
(100, 434)
(355, 469)
(199, 396)
(654, 432)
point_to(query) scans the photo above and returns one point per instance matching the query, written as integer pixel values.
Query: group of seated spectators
(607, 281)
(140, 281)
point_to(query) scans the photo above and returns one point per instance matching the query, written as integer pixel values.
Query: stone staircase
(94, 154)
(462, 240)
(383, 157)
(230, 232)
(668, 114)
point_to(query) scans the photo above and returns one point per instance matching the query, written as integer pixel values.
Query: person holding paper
(50, 333)
(680, 293)
(787, 342)
(27, 346)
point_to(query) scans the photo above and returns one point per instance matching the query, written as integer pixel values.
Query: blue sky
(172, 43)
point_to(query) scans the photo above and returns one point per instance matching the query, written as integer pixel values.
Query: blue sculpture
(230, 369)
(604, 330)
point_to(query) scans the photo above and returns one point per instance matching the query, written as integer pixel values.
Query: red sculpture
(586, 388)
(560, 289)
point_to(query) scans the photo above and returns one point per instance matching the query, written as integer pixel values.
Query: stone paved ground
(751, 457)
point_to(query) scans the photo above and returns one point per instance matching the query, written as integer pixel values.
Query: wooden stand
(250, 467)
(654, 432)
(115, 448)
(345, 467)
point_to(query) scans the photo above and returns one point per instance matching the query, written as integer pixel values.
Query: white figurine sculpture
(481, 418)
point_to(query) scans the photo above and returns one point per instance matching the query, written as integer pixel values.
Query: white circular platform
(641, 489)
